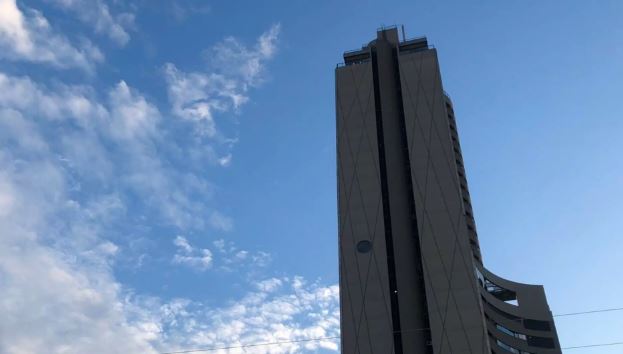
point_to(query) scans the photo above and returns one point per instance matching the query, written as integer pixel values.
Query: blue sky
(167, 167)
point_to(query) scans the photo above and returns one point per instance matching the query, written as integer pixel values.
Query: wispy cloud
(114, 141)
(199, 259)
(246, 65)
(220, 221)
(232, 257)
(96, 13)
(182, 9)
(224, 256)
(234, 69)
(28, 36)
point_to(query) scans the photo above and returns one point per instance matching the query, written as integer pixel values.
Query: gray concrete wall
(456, 321)
(365, 310)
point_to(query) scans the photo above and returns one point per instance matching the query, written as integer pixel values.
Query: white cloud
(181, 10)
(220, 221)
(55, 299)
(85, 311)
(226, 257)
(269, 285)
(95, 134)
(58, 292)
(182, 244)
(220, 245)
(70, 160)
(198, 96)
(198, 259)
(60, 103)
(241, 255)
(225, 160)
(27, 35)
(280, 310)
(96, 13)
(261, 259)
(247, 65)
(132, 117)
(15, 129)
(230, 257)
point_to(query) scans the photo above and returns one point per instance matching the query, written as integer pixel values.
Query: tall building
(412, 278)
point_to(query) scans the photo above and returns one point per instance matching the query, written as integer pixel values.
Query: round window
(364, 246)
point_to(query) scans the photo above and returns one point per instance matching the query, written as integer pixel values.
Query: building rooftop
(389, 34)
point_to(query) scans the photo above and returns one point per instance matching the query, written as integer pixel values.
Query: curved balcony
(518, 318)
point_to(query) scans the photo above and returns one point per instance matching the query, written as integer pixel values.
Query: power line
(337, 337)
(252, 345)
(274, 343)
(594, 345)
(411, 330)
(587, 312)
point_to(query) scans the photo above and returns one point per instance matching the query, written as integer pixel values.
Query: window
(480, 277)
(506, 295)
(500, 312)
(510, 349)
(510, 332)
(541, 342)
(537, 325)
(364, 246)
(507, 347)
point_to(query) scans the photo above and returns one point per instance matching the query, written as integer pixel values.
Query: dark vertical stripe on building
(412, 209)
(391, 264)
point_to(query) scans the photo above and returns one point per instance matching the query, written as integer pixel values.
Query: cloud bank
(76, 162)
(59, 293)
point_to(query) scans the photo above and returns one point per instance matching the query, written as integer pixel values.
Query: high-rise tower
(411, 273)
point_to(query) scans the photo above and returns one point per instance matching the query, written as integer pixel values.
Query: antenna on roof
(402, 27)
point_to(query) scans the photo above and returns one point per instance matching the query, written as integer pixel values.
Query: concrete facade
(411, 272)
